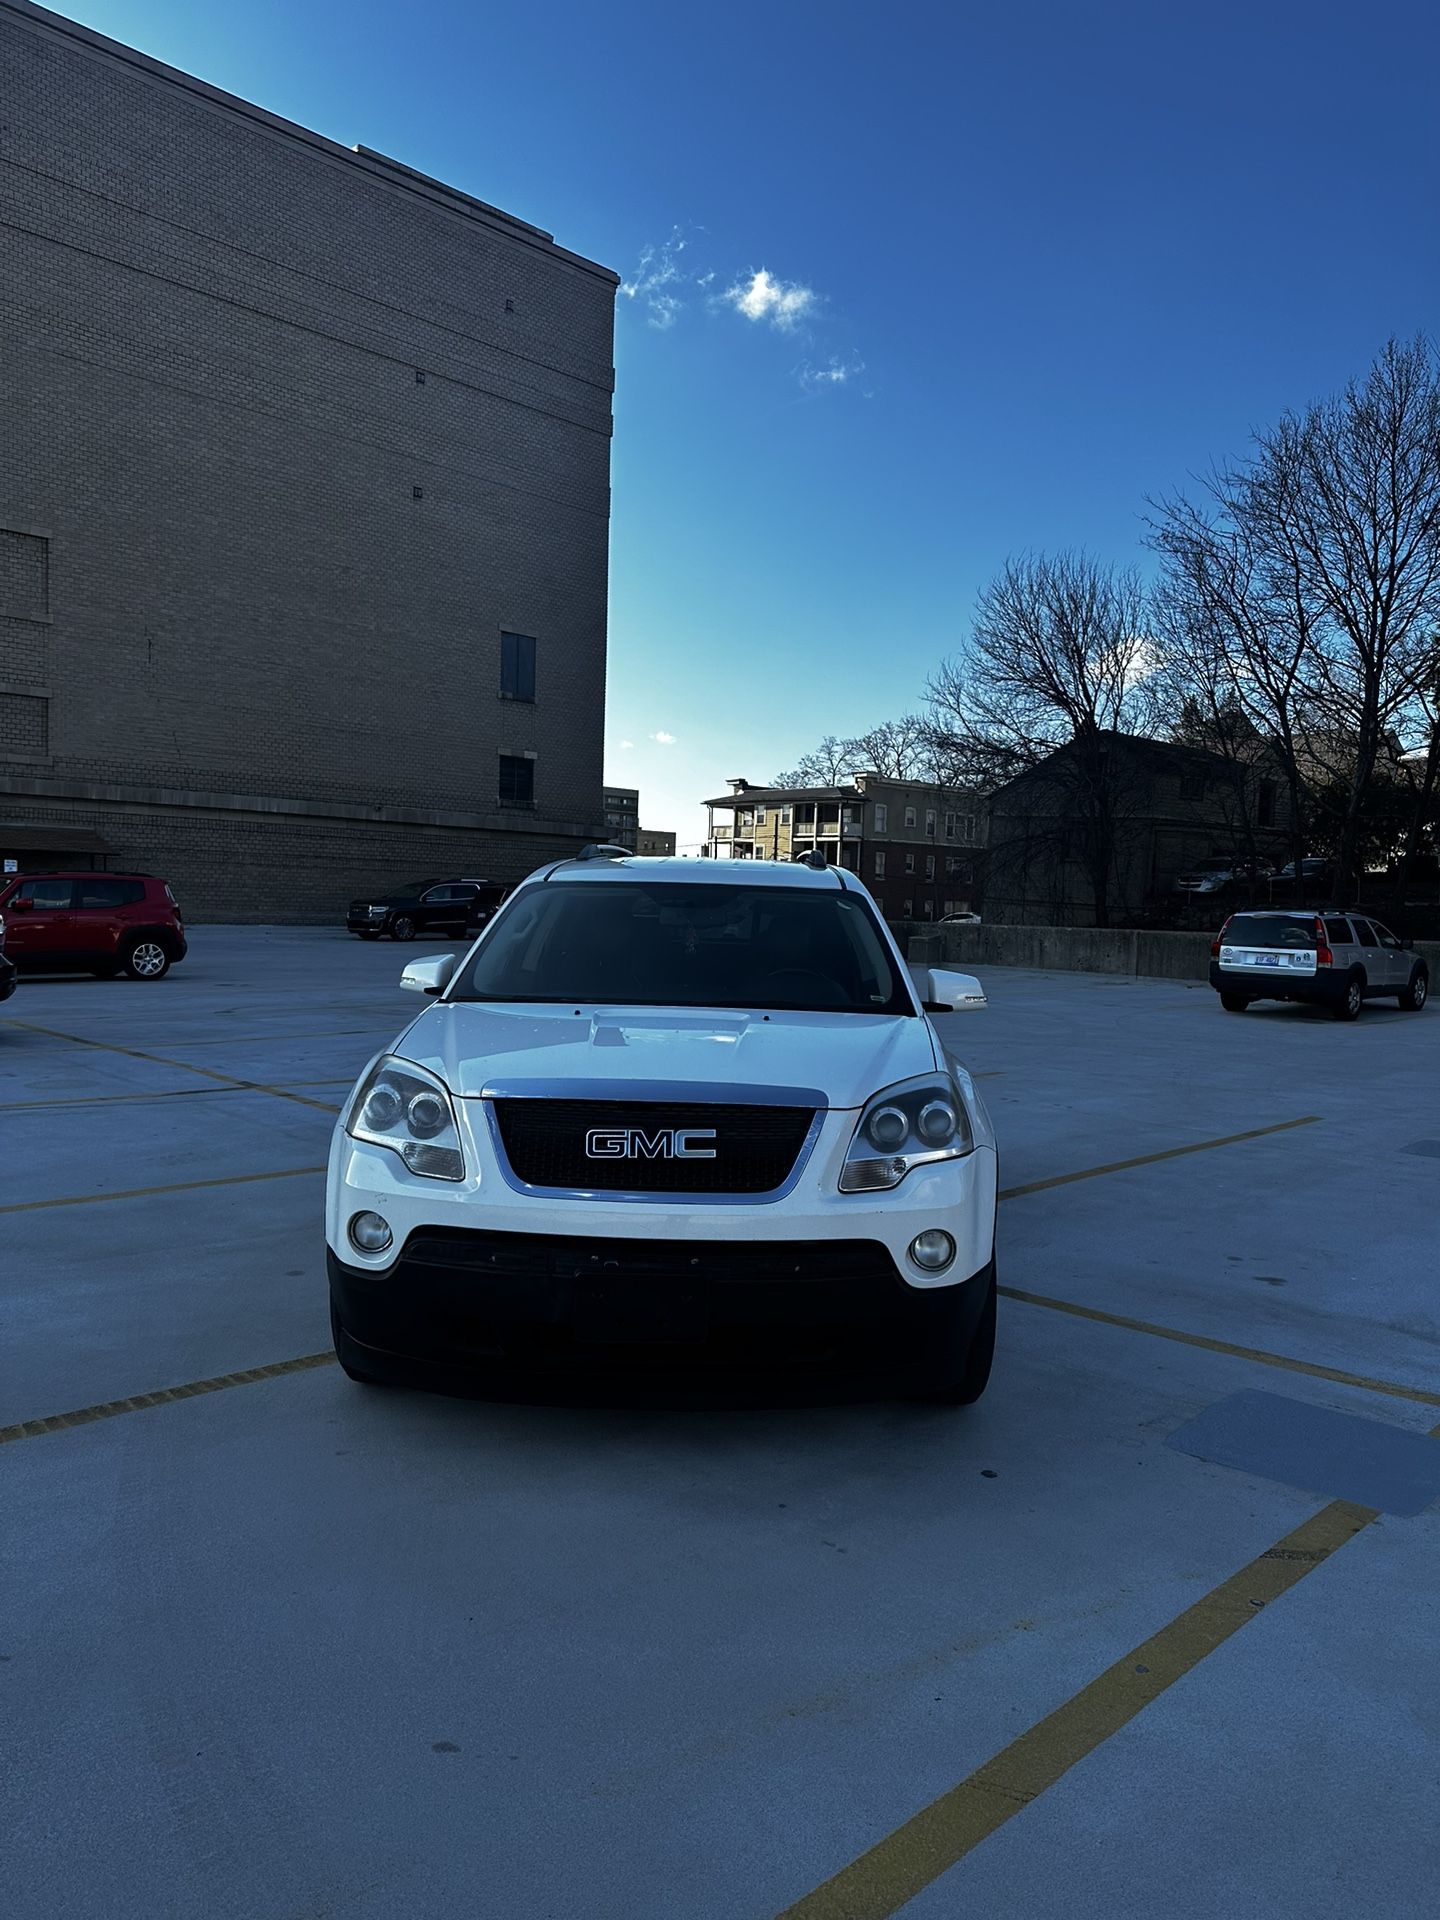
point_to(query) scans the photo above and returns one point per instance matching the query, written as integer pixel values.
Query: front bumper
(364, 923)
(8, 977)
(460, 1302)
(1324, 988)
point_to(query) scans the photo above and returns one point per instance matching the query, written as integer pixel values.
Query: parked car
(8, 973)
(1311, 868)
(958, 920)
(102, 923)
(1338, 960)
(753, 1146)
(428, 906)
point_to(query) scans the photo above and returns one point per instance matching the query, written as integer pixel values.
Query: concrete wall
(288, 437)
(1158, 956)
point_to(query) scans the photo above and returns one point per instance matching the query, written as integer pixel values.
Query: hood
(611, 1052)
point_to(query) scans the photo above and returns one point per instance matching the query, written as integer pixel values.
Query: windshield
(666, 944)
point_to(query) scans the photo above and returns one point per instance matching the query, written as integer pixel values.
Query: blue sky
(1060, 255)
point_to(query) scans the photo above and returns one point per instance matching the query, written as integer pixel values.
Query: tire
(1417, 993)
(961, 1384)
(402, 927)
(345, 1353)
(146, 959)
(1349, 1007)
(1234, 1002)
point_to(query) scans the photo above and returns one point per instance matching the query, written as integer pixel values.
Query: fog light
(372, 1234)
(933, 1250)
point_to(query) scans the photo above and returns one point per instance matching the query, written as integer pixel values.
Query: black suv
(428, 906)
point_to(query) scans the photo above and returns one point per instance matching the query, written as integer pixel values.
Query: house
(1099, 835)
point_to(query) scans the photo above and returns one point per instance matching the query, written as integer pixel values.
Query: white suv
(669, 1115)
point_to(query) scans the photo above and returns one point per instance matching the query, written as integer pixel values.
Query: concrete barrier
(1121, 950)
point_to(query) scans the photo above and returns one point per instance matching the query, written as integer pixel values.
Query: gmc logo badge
(634, 1143)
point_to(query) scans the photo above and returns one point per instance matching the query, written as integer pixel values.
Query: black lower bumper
(464, 1302)
(8, 977)
(1323, 989)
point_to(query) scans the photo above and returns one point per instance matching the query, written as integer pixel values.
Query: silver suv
(1338, 959)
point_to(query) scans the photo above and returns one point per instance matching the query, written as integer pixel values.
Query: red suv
(103, 923)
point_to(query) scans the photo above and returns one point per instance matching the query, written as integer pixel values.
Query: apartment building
(913, 843)
(622, 816)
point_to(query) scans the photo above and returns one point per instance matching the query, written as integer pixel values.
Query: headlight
(913, 1125)
(408, 1110)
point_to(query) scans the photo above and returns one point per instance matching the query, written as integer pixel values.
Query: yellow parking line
(1150, 1159)
(137, 1402)
(177, 1066)
(1258, 1354)
(144, 1193)
(880, 1881)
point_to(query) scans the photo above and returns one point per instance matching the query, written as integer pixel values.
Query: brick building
(914, 844)
(304, 497)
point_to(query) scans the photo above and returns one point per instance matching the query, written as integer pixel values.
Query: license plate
(633, 1315)
(1266, 960)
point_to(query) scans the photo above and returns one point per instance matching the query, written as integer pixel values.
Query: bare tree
(1316, 566)
(898, 749)
(826, 765)
(1058, 659)
(1233, 631)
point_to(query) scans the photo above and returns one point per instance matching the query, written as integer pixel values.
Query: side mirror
(947, 992)
(428, 976)
(20, 906)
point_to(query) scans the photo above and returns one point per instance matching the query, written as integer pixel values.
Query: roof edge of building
(367, 160)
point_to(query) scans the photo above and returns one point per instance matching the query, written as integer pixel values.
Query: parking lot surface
(283, 1646)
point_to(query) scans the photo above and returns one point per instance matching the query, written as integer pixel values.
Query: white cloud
(663, 739)
(837, 371)
(784, 303)
(660, 268)
(626, 745)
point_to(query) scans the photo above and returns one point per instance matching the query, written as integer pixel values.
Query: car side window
(1365, 933)
(108, 893)
(1337, 932)
(46, 893)
(437, 896)
(1384, 935)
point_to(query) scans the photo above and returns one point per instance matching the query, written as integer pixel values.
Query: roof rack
(600, 850)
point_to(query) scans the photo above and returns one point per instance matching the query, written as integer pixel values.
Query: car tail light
(1215, 943)
(1323, 956)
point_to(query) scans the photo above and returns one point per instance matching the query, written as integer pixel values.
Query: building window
(929, 866)
(517, 781)
(907, 911)
(1265, 804)
(930, 821)
(909, 863)
(880, 865)
(949, 826)
(1192, 786)
(759, 816)
(967, 829)
(909, 816)
(517, 666)
(784, 816)
(882, 817)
